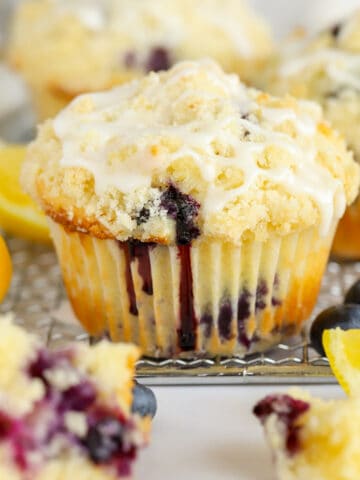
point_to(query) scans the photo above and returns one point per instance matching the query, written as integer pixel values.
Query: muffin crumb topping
(251, 163)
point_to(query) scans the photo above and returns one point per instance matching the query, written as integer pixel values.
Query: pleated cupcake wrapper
(213, 298)
(346, 244)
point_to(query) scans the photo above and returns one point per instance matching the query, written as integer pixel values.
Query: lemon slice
(5, 269)
(18, 213)
(342, 348)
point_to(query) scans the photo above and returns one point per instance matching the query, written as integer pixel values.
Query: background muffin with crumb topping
(64, 48)
(326, 68)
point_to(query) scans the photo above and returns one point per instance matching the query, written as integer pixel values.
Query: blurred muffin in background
(64, 48)
(191, 214)
(326, 68)
(16, 115)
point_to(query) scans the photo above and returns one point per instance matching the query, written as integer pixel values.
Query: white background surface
(209, 433)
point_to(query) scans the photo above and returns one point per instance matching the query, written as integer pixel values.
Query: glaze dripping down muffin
(197, 194)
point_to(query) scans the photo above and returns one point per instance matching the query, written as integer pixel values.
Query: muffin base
(346, 244)
(211, 298)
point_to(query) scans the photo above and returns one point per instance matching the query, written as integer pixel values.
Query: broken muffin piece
(66, 411)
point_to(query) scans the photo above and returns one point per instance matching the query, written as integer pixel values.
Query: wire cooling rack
(38, 299)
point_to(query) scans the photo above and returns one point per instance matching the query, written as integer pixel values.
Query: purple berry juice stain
(260, 299)
(224, 320)
(129, 280)
(186, 333)
(243, 313)
(140, 251)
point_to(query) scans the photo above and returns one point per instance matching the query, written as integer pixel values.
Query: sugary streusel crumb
(256, 165)
(325, 68)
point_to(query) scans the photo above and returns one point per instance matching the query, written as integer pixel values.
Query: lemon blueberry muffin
(66, 412)
(326, 69)
(312, 438)
(189, 212)
(86, 45)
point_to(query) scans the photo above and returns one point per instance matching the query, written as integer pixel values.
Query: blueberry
(5, 425)
(42, 362)
(144, 401)
(78, 397)
(104, 439)
(143, 216)
(353, 294)
(183, 209)
(336, 29)
(158, 59)
(343, 316)
(287, 408)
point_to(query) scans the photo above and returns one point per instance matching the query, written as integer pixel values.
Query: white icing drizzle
(343, 68)
(89, 138)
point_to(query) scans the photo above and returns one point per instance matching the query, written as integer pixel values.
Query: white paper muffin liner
(213, 298)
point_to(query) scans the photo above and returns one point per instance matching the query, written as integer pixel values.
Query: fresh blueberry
(343, 316)
(144, 402)
(104, 439)
(353, 294)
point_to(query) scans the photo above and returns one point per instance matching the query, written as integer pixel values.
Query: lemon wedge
(19, 215)
(342, 348)
(5, 269)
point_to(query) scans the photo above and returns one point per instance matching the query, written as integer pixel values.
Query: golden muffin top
(190, 148)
